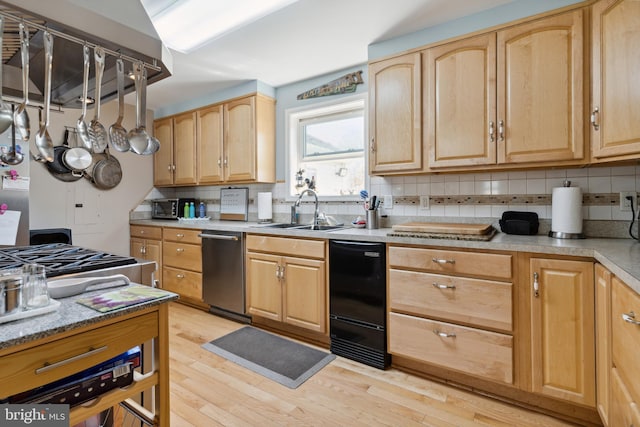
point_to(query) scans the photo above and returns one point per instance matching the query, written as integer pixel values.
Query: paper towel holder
(562, 234)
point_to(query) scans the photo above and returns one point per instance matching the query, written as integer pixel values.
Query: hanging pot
(105, 172)
(77, 158)
(57, 165)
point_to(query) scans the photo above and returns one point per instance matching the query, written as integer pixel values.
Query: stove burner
(60, 258)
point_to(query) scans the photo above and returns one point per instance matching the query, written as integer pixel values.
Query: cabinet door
(541, 90)
(395, 115)
(603, 340)
(184, 140)
(153, 252)
(562, 330)
(163, 158)
(240, 139)
(460, 124)
(616, 87)
(264, 287)
(136, 248)
(304, 299)
(210, 138)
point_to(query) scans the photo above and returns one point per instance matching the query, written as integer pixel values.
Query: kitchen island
(42, 349)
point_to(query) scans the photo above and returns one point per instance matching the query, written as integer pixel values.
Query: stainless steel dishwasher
(223, 286)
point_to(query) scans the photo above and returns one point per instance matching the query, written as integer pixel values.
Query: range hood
(80, 25)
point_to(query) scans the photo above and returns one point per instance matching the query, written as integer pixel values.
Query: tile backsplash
(469, 197)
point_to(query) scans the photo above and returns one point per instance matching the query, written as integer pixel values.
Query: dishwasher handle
(218, 237)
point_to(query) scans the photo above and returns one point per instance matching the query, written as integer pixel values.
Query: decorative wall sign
(344, 84)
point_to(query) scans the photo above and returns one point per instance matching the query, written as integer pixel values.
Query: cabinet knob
(630, 318)
(439, 286)
(141, 231)
(595, 116)
(180, 276)
(180, 250)
(444, 334)
(443, 261)
(536, 285)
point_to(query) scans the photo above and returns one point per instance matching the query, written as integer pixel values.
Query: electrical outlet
(388, 201)
(625, 204)
(424, 203)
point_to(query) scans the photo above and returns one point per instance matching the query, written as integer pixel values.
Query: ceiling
(303, 40)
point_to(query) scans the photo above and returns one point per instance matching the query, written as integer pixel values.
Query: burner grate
(60, 258)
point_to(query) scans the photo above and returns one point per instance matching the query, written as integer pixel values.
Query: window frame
(293, 116)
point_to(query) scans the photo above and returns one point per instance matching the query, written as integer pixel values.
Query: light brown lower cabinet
(182, 264)
(146, 243)
(562, 330)
(603, 341)
(286, 281)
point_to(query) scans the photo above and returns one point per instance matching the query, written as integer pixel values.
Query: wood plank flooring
(207, 390)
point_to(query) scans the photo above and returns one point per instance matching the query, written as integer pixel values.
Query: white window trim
(293, 115)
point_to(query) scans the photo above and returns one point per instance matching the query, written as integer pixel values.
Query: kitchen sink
(304, 227)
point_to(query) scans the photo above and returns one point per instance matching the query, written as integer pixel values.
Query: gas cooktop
(60, 258)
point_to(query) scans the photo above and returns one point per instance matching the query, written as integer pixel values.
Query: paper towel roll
(566, 210)
(265, 207)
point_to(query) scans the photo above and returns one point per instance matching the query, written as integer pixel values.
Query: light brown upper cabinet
(615, 127)
(395, 115)
(175, 161)
(514, 96)
(236, 141)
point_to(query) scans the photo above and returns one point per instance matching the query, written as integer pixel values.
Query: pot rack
(152, 66)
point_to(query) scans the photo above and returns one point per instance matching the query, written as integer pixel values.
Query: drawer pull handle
(179, 235)
(49, 366)
(180, 276)
(630, 318)
(595, 115)
(536, 285)
(443, 261)
(438, 286)
(180, 250)
(443, 334)
(492, 131)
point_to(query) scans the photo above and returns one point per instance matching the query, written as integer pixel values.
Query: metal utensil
(153, 144)
(81, 126)
(97, 132)
(138, 137)
(20, 116)
(6, 115)
(43, 139)
(12, 157)
(117, 133)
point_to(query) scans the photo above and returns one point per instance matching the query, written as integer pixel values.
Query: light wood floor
(207, 390)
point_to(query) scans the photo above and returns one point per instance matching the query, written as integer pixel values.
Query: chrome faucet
(316, 212)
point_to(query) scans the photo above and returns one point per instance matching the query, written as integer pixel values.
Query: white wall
(103, 222)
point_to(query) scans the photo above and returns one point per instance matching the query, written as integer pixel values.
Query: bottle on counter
(186, 210)
(202, 210)
(192, 210)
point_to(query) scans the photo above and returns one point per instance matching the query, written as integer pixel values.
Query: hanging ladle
(6, 114)
(20, 116)
(43, 139)
(12, 158)
(138, 137)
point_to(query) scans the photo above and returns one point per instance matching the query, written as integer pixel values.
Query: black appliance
(358, 301)
(50, 235)
(60, 258)
(223, 286)
(170, 208)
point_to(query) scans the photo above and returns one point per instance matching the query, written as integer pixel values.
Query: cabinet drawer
(452, 262)
(146, 232)
(625, 348)
(480, 353)
(182, 256)
(483, 303)
(302, 248)
(185, 283)
(181, 235)
(23, 370)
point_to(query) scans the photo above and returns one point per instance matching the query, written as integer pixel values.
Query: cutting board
(443, 227)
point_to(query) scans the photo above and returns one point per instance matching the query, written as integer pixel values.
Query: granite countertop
(70, 315)
(620, 256)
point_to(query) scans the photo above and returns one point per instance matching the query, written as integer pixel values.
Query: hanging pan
(57, 168)
(76, 158)
(105, 172)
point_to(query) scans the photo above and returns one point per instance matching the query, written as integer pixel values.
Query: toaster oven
(169, 208)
